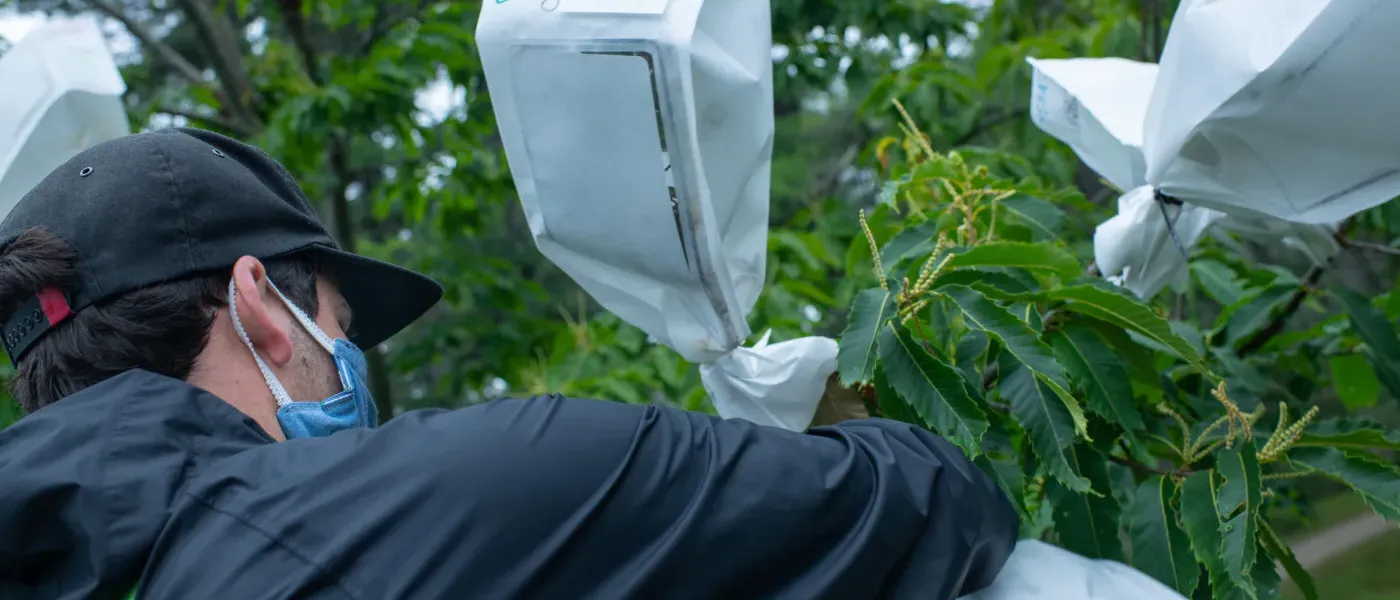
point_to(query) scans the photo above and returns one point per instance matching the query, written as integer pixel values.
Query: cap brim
(384, 298)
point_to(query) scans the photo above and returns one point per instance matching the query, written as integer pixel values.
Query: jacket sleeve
(561, 498)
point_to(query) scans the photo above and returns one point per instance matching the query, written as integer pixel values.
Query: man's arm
(558, 498)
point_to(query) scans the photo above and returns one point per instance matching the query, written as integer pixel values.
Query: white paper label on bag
(1053, 110)
(616, 7)
(619, 91)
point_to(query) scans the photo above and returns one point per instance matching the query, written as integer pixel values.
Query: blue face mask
(348, 409)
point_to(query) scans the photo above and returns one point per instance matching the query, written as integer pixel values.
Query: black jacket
(145, 479)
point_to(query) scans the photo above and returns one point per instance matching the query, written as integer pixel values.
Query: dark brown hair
(161, 328)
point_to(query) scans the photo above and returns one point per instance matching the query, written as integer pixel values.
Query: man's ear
(267, 327)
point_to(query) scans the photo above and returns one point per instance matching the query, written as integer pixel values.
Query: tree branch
(296, 27)
(1374, 247)
(1276, 325)
(162, 50)
(216, 121)
(227, 61)
(383, 23)
(983, 126)
(1310, 279)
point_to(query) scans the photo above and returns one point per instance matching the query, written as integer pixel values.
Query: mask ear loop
(307, 322)
(278, 392)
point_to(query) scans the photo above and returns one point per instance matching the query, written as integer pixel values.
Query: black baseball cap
(166, 205)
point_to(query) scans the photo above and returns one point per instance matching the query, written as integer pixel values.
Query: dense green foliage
(1160, 433)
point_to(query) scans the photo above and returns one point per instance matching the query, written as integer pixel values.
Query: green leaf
(933, 388)
(1382, 345)
(855, 356)
(1254, 314)
(1049, 426)
(1349, 434)
(1377, 483)
(1042, 216)
(1040, 257)
(1200, 517)
(1239, 502)
(970, 354)
(1116, 308)
(1160, 548)
(1088, 524)
(987, 282)
(1264, 574)
(1354, 380)
(891, 405)
(1008, 476)
(1219, 281)
(1282, 553)
(915, 241)
(1099, 372)
(1021, 341)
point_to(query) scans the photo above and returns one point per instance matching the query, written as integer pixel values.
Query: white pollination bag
(1039, 571)
(62, 94)
(1100, 108)
(640, 135)
(1279, 109)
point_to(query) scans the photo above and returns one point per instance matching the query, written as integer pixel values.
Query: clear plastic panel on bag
(640, 138)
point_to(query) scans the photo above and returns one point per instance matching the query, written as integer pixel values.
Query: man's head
(122, 259)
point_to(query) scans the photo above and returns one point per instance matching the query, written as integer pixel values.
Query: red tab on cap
(54, 305)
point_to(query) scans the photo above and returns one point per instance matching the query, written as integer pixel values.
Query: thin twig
(1146, 470)
(220, 42)
(149, 41)
(1281, 319)
(216, 121)
(984, 126)
(1372, 246)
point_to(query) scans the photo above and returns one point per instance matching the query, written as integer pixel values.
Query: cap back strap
(46, 310)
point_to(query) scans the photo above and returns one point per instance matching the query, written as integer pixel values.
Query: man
(176, 311)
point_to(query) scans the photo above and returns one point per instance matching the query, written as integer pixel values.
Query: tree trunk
(337, 149)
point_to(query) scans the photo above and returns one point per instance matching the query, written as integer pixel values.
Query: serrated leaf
(855, 356)
(1039, 257)
(933, 388)
(970, 353)
(1022, 342)
(1349, 434)
(1219, 281)
(1049, 426)
(1160, 547)
(1200, 517)
(916, 241)
(1116, 308)
(1008, 476)
(1284, 555)
(1377, 483)
(1354, 380)
(1264, 574)
(891, 405)
(987, 282)
(1088, 524)
(1042, 216)
(1382, 345)
(1099, 372)
(1239, 502)
(1249, 316)
(1139, 357)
